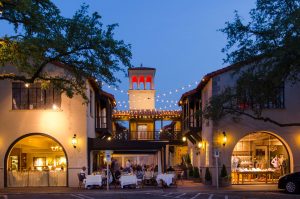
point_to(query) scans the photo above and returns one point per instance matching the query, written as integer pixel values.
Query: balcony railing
(101, 122)
(147, 135)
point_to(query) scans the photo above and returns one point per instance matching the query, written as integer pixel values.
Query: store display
(259, 158)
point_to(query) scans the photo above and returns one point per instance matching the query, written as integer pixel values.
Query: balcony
(147, 135)
(191, 125)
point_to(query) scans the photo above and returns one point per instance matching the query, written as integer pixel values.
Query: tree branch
(265, 119)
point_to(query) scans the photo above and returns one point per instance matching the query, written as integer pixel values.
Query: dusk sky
(177, 37)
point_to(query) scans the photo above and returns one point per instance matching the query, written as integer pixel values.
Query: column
(167, 156)
(159, 161)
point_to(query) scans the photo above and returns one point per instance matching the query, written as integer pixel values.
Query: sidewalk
(186, 186)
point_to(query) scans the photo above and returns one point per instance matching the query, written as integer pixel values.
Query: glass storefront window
(259, 158)
(36, 161)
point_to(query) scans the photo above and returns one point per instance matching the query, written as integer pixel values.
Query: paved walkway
(186, 186)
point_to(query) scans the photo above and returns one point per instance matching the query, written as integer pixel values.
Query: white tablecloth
(167, 178)
(92, 180)
(128, 180)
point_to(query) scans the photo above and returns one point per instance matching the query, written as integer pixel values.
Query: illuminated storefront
(259, 158)
(36, 160)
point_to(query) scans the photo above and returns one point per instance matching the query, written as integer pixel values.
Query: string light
(159, 98)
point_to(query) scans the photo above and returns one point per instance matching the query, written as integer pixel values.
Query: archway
(258, 158)
(35, 159)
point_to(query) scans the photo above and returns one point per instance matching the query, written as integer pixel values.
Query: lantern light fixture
(224, 138)
(74, 141)
(200, 145)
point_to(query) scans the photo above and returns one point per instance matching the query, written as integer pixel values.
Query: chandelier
(56, 148)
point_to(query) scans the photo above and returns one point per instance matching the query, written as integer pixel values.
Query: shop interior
(36, 161)
(259, 158)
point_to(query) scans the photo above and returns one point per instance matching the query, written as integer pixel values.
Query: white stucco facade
(73, 117)
(212, 133)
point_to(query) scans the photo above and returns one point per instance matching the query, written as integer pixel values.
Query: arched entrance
(35, 160)
(259, 158)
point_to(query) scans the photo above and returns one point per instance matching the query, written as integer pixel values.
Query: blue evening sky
(177, 37)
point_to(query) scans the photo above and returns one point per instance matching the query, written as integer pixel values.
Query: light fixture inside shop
(74, 141)
(109, 138)
(224, 138)
(54, 107)
(56, 148)
(183, 138)
(27, 85)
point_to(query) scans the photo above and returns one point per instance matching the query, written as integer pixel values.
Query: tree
(270, 41)
(42, 36)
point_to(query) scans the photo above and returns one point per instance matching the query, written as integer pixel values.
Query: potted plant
(190, 171)
(196, 175)
(224, 177)
(208, 179)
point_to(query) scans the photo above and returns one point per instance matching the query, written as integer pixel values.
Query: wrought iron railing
(147, 135)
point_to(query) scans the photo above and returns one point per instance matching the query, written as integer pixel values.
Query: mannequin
(275, 162)
(282, 164)
(235, 162)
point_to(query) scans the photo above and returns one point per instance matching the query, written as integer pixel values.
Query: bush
(224, 172)
(196, 172)
(207, 174)
(191, 170)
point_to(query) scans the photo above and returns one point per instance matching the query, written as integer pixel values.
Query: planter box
(225, 182)
(198, 180)
(208, 182)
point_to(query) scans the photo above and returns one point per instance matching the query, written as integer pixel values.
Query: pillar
(159, 163)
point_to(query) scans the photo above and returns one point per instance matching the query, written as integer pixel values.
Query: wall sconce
(200, 145)
(74, 141)
(224, 138)
(183, 138)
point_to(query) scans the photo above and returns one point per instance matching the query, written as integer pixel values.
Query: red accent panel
(134, 79)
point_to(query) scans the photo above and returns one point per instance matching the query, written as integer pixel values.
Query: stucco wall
(61, 125)
(290, 136)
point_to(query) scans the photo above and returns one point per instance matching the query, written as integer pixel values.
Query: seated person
(170, 169)
(117, 174)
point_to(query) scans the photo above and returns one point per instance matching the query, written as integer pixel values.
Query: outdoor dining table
(128, 180)
(92, 180)
(166, 178)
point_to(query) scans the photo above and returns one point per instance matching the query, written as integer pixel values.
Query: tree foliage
(270, 40)
(42, 35)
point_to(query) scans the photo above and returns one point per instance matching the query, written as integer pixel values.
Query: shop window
(34, 97)
(259, 158)
(36, 161)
